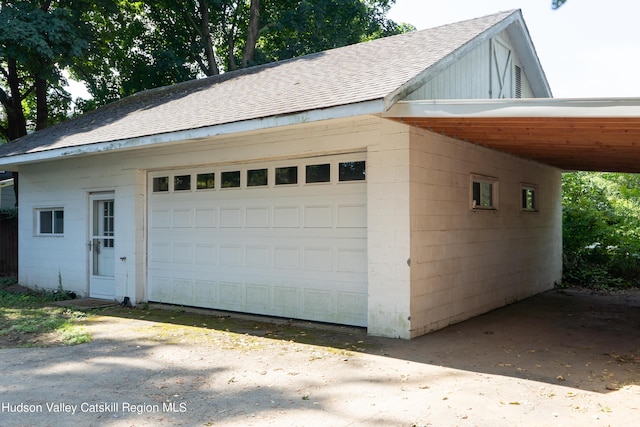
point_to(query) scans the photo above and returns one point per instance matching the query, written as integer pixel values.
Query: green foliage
(9, 213)
(28, 316)
(294, 28)
(120, 47)
(143, 45)
(601, 229)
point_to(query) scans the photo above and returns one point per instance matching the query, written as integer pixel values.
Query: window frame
(54, 229)
(483, 179)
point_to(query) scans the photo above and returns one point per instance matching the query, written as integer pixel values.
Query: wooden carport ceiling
(588, 135)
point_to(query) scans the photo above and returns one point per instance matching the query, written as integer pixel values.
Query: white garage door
(282, 238)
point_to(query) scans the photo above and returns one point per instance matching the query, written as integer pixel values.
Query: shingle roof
(373, 70)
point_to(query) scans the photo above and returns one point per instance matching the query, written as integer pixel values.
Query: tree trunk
(252, 33)
(230, 47)
(205, 33)
(42, 109)
(16, 123)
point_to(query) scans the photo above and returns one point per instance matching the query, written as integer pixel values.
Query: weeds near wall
(28, 318)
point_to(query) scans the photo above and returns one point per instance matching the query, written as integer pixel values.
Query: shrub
(601, 229)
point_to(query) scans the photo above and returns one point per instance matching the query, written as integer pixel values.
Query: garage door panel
(286, 216)
(231, 217)
(297, 251)
(257, 217)
(258, 256)
(206, 254)
(160, 218)
(182, 218)
(206, 291)
(286, 257)
(206, 218)
(182, 253)
(318, 216)
(258, 297)
(231, 296)
(318, 259)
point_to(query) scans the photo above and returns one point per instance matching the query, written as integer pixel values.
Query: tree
(601, 229)
(163, 42)
(37, 41)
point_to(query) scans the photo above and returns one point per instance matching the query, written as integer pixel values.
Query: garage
(284, 238)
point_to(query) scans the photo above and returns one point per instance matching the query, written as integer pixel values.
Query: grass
(29, 319)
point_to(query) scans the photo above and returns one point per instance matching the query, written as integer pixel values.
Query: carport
(570, 134)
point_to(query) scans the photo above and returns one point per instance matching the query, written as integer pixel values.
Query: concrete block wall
(46, 260)
(465, 262)
(388, 238)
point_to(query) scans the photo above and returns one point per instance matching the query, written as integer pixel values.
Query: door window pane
(256, 177)
(230, 179)
(182, 183)
(352, 171)
(287, 175)
(206, 181)
(318, 173)
(160, 184)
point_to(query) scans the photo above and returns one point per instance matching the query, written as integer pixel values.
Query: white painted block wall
(465, 262)
(46, 261)
(431, 261)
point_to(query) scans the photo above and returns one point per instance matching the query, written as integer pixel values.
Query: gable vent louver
(518, 82)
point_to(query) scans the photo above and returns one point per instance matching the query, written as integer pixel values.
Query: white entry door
(102, 246)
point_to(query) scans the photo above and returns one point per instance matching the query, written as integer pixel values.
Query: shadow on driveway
(563, 337)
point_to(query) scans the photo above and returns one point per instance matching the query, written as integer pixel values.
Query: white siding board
(470, 76)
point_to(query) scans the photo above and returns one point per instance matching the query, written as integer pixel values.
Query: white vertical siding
(469, 77)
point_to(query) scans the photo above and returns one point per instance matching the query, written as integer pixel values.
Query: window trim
(534, 189)
(38, 221)
(483, 179)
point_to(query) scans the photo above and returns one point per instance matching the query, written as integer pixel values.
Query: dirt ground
(562, 358)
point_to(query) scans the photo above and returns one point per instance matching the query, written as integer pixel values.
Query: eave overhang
(570, 134)
(13, 161)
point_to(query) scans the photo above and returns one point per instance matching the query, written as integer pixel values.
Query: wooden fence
(8, 244)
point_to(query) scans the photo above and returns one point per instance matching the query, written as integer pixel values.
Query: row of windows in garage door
(261, 177)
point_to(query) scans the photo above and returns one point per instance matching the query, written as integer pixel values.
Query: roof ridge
(256, 68)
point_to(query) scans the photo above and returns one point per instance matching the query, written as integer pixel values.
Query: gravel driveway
(558, 359)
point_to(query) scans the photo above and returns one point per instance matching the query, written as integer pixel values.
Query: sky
(587, 48)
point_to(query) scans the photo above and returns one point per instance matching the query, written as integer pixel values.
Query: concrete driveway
(557, 359)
